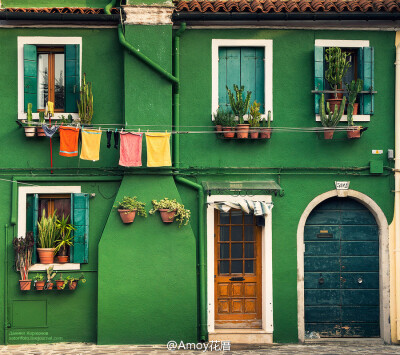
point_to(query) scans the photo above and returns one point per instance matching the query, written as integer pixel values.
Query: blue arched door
(341, 271)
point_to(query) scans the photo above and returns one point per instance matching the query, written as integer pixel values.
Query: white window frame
(343, 44)
(22, 192)
(266, 252)
(42, 41)
(268, 65)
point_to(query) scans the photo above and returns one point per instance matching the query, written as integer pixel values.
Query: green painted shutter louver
(318, 75)
(366, 73)
(72, 77)
(30, 76)
(80, 220)
(32, 216)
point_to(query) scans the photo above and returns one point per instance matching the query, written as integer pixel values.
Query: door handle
(239, 278)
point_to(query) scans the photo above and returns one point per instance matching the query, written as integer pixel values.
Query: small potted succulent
(47, 237)
(60, 282)
(230, 124)
(354, 88)
(50, 276)
(239, 108)
(171, 210)
(23, 258)
(29, 127)
(128, 208)
(39, 282)
(331, 119)
(265, 132)
(72, 282)
(254, 119)
(64, 240)
(219, 119)
(39, 129)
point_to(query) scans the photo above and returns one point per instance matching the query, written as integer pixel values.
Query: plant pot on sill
(229, 132)
(218, 128)
(127, 216)
(333, 103)
(254, 133)
(25, 285)
(40, 132)
(354, 132)
(242, 130)
(46, 255)
(265, 133)
(328, 133)
(72, 285)
(62, 259)
(49, 286)
(59, 284)
(39, 285)
(167, 216)
(30, 131)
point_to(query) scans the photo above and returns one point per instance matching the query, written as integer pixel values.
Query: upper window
(245, 63)
(49, 70)
(361, 58)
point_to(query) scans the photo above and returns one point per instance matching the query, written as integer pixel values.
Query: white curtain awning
(259, 208)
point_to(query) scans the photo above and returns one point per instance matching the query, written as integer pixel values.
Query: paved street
(359, 347)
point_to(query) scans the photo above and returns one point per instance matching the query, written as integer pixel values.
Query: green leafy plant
(182, 215)
(230, 120)
(64, 238)
(23, 248)
(63, 120)
(85, 104)
(38, 277)
(354, 88)
(70, 279)
(47, 230)
(41, 117)
(238, 105)
(220, 117)
(131, 204)
(338, 64)
(254, 115)
(332, 118)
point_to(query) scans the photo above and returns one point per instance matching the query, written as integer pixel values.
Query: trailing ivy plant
(182, 215)
(238, 105)
(132, 204)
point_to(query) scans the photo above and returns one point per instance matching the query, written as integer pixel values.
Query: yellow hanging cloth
(90, 144)
(158, 150)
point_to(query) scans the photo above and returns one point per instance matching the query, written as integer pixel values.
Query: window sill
(356, 118)
(57, 116)
(57, 267)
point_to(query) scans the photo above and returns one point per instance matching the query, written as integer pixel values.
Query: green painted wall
(54, 3)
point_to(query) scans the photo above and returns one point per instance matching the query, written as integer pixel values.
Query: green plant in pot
(354, 88)
(23, 248)
(50, 276)
(29, 126)
(60, 282)
(239, 108)
(230, 124)
(338, 63)
(39, 282)
(128, 208)
(85, 104)
(64, 239)
(254, 119)
(330, 119)
(220, 119)
(171, 210)
(47, 234)
(42, 121)
(265, 131)
(72, 282)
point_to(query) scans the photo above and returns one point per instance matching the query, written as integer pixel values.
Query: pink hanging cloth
(130, 153)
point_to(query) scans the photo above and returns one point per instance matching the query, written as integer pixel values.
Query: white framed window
(242, 62)
(49, 67)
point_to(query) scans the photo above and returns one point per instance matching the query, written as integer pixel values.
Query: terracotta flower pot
(254, 135)
(30, 131)
(230, 133)
(265, 133)
(218, 127)
(333, 103)
(167, 216)
(40, 132)
(59, 284)
(72, 285)
(354, 133)
(39, 285)
(46, 255)
(25, 285)
(328, 134)
(62, 259)
(355, 109)
(242, 130)
(49, 285)
(127, 216)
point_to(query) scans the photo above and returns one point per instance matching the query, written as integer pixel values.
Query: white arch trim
(383, 259)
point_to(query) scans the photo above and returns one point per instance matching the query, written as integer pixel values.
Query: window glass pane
(224, 234)
(237, 233)
(224, 267)
(42, 81)
(248, 218)
(237, 250)
(249, 250)
(224, 251)
(237, 267)
(236, 217)
(224, 218)
(249, 266)
(59, 82)
(249, 233)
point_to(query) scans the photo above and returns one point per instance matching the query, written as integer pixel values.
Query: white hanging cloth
(259, 208)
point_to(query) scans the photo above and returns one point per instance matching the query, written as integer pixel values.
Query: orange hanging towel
(69, 141)
(158, 150)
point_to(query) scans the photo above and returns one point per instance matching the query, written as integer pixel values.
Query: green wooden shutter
(30, 76)
(228, 73)
(80, 220)
(32, 211)
(72, 77)
(366, 73)
(318, 75)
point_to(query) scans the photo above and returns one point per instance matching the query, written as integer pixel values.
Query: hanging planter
(240, 108)
(329, 119)
(242, 131)
(127, 216)
(328, 133)
(265, 133)
(354, 132)
(128, 208)
(29, 131)
(167, 216)
(60, 284)
(49, 286)
(25, 285)
(171, 210)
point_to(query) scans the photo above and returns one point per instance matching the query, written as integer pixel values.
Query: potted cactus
(72, 282)
(331, 119)
(85, 104)
(265, 132)
(128, 207)
(171, 210)
(354, 88)
(40, 130)
(230, 124)
(28, 126)
(39, 282)
(254, 120)
(239, 108)
(220, 119)
(50, 276)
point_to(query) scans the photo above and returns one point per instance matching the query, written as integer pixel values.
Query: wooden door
(341, 271)
(237, 253)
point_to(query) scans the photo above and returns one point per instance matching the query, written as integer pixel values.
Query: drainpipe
(397, 188)
(201, 255)
(5, 283)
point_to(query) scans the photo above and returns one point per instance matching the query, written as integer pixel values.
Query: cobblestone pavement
(338, 347)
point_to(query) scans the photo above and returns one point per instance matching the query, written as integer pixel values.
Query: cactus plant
(29, 118)
(354, 88)
(332, 118)
(238, 105)
(338, 64)
(85, 104)
(41, 117)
